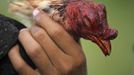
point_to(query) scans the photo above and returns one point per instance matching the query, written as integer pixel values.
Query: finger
(35, 52)
(46, 42)
(57, 33)
(19, 64)
(56, 55)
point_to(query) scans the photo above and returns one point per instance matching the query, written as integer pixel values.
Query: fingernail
(24, 29)
(36, 12)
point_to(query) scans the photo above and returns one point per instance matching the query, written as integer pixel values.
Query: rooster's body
(9, 30)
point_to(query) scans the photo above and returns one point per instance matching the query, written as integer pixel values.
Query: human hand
(51, 48)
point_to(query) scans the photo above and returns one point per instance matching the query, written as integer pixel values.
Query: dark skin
(50, 47)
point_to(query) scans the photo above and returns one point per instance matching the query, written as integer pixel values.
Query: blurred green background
(121, 61)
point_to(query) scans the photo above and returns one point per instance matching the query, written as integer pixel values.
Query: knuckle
(35, 51)
(66, 68)
(39, 34)
(20, 66)
(57, 32)
(80, 61)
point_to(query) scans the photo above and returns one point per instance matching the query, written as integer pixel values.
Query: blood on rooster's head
(81, 18)
(88, 20)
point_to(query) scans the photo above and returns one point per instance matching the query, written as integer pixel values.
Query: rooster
(81, 18)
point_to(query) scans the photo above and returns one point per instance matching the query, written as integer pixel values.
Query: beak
(105, 45)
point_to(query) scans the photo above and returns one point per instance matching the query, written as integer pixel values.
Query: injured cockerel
(81, 18)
